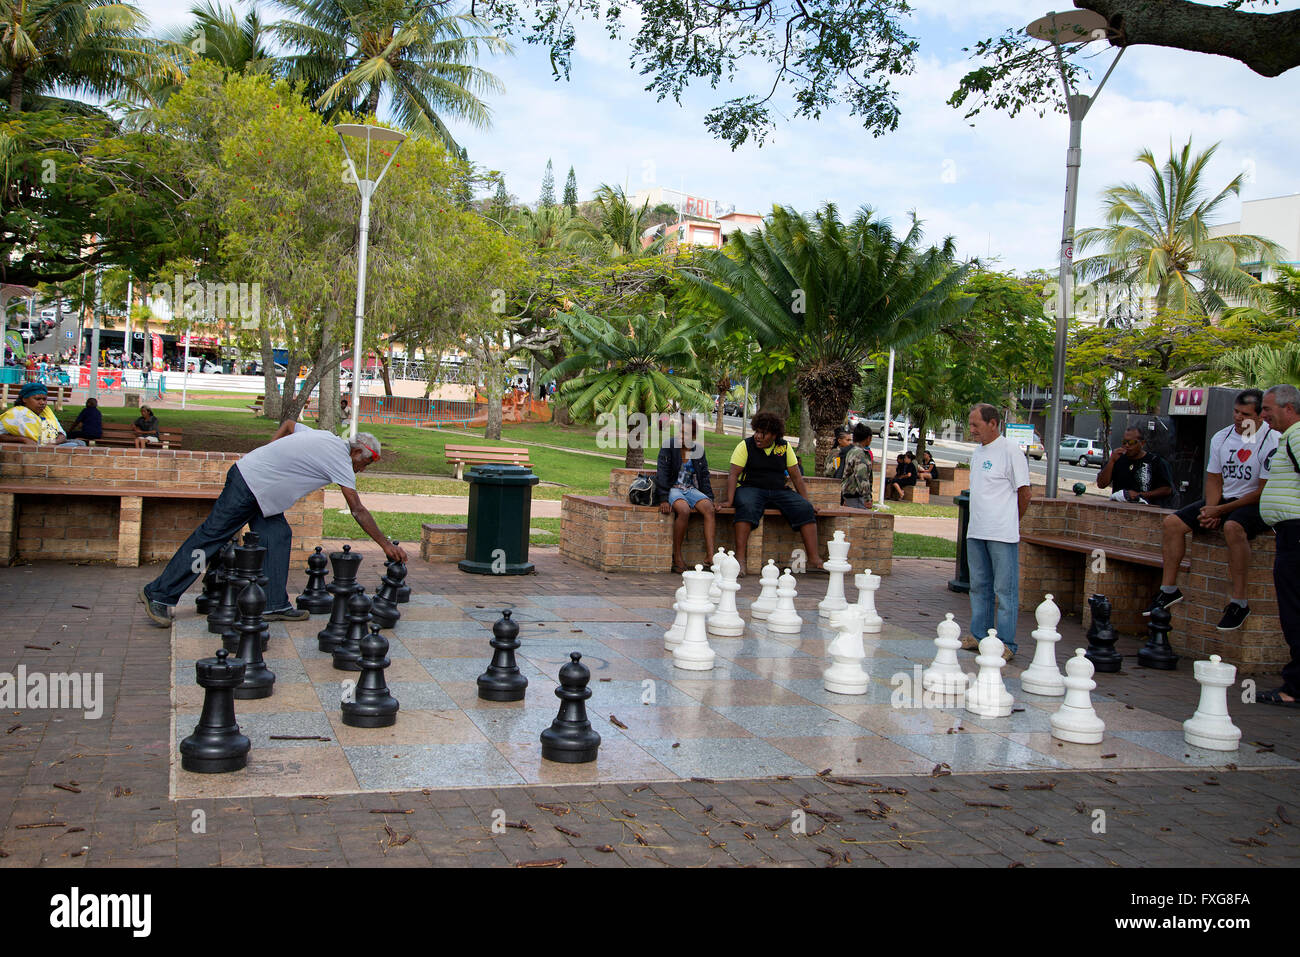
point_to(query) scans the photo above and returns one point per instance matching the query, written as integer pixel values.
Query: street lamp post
(367, 187)
(1066, 29)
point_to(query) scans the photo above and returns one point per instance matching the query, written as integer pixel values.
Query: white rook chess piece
(694, 653)
(837, 564)
(1076, 720)
(867, 584)
(945, 676)
(988, 696)
(1042, 676)
(726, 622)
(763, 605)
(715, 588)
(784, 620)
(673, 636)
(846, 674)
(1210, 727)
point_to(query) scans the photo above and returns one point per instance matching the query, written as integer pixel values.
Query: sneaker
(1233, 616)
(287, 614)
(1163, 600)
(1007, 654)
(159, 614)
(969, 643)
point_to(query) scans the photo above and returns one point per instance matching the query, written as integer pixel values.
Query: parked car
(876, 423)
(915, 435)
(1082, 452)
(1035, 449)
(205, 366)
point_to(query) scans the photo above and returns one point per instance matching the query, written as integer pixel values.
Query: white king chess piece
(784, 620)
(945, 676)
(988, 696)
(837, 564)
(1211, 727)
(1076, 720)
(763, 605)
(715, 589)
(694, 653)
(867, 584)
(725, 622)
(846, 674)
(1042, 677)
(673, 636)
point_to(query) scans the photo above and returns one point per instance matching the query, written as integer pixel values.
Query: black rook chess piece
(345, 565)
(315, 598)
(1101, 637)
(216, 744)
(211, 596)
(383, 609)
(372, 706)
(1156, 653)
(347, 656)
(570, 738)
(259, 680)
(502, 680)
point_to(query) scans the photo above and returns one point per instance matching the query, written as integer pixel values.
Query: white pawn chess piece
(784, 620)
(725, 622)
(673, 636)
(1211, 727)
(694, 653)
(765, 603)
(1042, 677)
(846, 674)
(945, 676)
(867, 584)
(837, 564)
(715, 589)
(988, 696)
(1076, 720)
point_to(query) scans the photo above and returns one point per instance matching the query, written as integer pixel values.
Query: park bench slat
(1086, 546)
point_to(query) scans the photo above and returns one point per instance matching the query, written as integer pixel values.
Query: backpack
(642, 490)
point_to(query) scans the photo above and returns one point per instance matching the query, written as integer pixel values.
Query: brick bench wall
(443, 543)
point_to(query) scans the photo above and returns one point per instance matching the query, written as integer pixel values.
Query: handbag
(642, 490)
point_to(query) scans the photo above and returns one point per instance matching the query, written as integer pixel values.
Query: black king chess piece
(216, 744)
(383, 609)
(259, 680)
(502, 681)
(1156, 653)
(315, 598)
(345, 565)
(372, 706)
(347, 656)
(211, 596)
(570, 738)
(1101, 637)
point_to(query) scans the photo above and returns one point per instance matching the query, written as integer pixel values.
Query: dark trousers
(1286, 580)
(233, 509)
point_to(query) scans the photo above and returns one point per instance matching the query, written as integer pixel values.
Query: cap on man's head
(31, 389)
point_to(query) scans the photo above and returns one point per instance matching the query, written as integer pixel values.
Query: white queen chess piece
(867, 585)
(837, 564)
(763, 605)
(1042, 677)
(1076, 720)
(784, 620)
(846, 674)
(945, 676)
(1211, 727)
(988, 696)
(673, 636)
(694, 653)
(725, 622)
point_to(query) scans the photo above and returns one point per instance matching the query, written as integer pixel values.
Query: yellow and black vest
(764, 468)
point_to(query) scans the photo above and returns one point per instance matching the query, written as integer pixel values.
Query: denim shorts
(750, 503)
(691, 496)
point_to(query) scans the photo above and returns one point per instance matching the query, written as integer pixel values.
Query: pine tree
(571, 192)
(500, 200)
(464, 193)
(547, 199)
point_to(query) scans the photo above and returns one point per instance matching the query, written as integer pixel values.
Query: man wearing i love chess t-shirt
(1238, 467)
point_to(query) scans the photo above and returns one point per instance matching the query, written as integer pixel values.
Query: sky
(994, 183)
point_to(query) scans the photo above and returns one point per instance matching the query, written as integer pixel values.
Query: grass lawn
(923, 511)
(405, 526)
(907, 545)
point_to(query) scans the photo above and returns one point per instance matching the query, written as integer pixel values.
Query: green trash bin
(961, 583)
(500, 510)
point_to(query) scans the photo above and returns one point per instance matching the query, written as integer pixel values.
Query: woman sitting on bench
(904, 476)
(145, 428)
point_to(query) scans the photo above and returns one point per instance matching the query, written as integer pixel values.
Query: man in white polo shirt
(259, 489)
(1279, 506)
(999, 495)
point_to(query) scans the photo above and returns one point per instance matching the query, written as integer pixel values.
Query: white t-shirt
(1242, 461)
(996, 471)
(283, 471)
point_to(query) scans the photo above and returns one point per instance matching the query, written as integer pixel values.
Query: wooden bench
(462, 455)
(258, 403)
(57, 394)
(1134, 556)
(121, 436)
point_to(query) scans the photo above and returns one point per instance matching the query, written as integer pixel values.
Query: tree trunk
(327, 360)
(635, 457)
(383, 371)
(774, 394)
(16, 90)
(920, 415)
(807, 437)
(492, 386)
(271, 394)
(718, 425)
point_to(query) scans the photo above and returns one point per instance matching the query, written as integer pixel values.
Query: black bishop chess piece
(315, 598)
(383, 609)
(503, 681)
(347, 656)
(570, 739)
(346, 563)
(249, 558)
(211, 596)
(372, 705)
(1156, 653)
(259, 680)
(216, 744)
(1101, 637)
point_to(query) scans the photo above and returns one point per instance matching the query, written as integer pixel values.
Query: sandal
(678, 569)
(1275, 697)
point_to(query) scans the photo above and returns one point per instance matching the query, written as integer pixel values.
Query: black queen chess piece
(216, 744)
(211, 596)
(503, 681)
(372, 704)
(346, 563)
(315, 598)
(259, 680)
(383, 609)
(1157, 653)
(570, 739)
(1101, 637)
(347, 656)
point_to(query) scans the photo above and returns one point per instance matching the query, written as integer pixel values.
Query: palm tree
(618, 228)
(350, 53)
(1159, 238)
(1262, 366)
(544, 226)
(830, 295)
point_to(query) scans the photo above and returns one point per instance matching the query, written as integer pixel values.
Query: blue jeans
(994, 573)
(691, 496)
(233, 509)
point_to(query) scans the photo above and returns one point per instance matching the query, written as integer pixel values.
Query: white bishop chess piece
(1211, 727)
(988, 696)
(1042, 677)
(1076, 720)
(867, 585)
(945, 676)
(694, 653)
(837, 564)
(763, 605)
(673, 636)
(725, 622)
(715, 587)
(784, 620)
(846, 674)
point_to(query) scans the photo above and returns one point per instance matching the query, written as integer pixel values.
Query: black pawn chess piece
(216, 744)
(259, 680)
(211, 596)
(372, 705)
(247, 570)
(315, 598)
(347, 656)
(502, 680)
(1156, 653)
(345, 565)
(403, 590)
(383, 608)
(1101, 637)
(570, 738)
